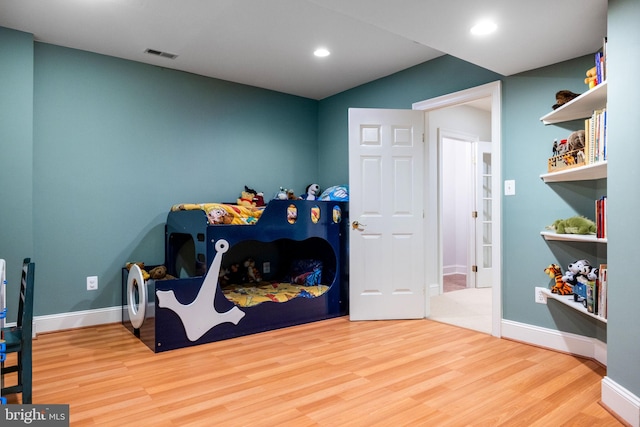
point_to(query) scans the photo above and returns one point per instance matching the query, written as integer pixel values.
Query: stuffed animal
(281, 194)
(312, 192)
(578, 271)
(160, 273)
(252, 275)
(592, 79)
(574, 225)
(219, 216)
(145, 274)
(257, 197)
(562, 97)
(246, 198)
(560, 287)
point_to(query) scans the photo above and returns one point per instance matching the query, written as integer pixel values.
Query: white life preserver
(136, 313)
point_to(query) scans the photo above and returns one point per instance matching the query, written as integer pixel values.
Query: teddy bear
(145, 274)
(160, 273)
(246, 199)
(574, 225)
(312, 192)
(592, 78)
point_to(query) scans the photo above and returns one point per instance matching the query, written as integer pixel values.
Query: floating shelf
(588, 238)
(580, 107)
(581, 173)
(569, 301)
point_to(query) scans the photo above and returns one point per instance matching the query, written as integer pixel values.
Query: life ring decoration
(136, 311)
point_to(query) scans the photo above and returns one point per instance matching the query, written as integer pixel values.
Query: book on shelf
(601, 217)
(592, 299)
(602, 291)
(595, 135)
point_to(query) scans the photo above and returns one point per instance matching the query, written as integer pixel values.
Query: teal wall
(623, 350)
(440, 76)
(115, 144)
(96, 149)
(16, 153)
(526, 144)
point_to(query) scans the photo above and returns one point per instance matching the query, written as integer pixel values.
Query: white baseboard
(556, 340)
(454, 269)
(621, 401)
(77, 319)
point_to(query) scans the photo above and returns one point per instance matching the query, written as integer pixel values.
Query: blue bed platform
(192, 309)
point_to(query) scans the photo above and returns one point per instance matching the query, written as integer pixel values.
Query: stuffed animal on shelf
(574, 225)
(578, 271)
(592, 79)
(560, 287)
(562, 97)
(312, 192)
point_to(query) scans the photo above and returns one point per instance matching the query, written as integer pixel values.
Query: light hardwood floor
(329, 373)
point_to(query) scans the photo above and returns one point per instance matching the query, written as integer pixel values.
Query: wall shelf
(581, 173)
(580, 107)
(587, 238)
(569, 301)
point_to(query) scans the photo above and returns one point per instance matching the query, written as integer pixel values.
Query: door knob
(356, 225)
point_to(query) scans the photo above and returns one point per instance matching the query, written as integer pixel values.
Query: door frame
(432, 227)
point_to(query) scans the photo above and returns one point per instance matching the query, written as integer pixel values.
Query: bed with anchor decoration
(285, 265)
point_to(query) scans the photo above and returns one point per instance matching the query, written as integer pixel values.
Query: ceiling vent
(161, 54)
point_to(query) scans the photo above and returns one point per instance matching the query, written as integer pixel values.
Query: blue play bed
(299, 248)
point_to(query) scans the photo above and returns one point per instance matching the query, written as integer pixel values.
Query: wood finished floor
(329, 373)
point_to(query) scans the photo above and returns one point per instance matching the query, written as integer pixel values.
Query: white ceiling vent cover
(161, 54)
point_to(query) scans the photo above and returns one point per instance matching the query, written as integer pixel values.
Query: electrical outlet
(266, 267)
(541, 297)
(92, 283)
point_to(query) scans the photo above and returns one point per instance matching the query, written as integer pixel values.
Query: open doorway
(470, 115)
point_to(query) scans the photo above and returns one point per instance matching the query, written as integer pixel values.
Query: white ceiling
(270, 43)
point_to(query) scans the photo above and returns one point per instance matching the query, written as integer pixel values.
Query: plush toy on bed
(160, 273)
(250, 197)
(145, 274)
(252, 274)
(312, 192)
(219, 216)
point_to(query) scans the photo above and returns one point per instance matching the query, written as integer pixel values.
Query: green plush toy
(574, 225)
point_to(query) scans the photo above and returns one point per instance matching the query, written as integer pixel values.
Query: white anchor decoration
(200, 316)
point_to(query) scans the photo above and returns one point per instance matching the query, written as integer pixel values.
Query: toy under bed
(298, 246)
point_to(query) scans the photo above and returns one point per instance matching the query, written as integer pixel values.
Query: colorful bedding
(251, 294)
(222, 213)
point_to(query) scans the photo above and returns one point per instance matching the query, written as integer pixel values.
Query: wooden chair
(18, 338)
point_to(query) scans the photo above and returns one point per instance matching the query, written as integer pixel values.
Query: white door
(483, 220)
(386, 242)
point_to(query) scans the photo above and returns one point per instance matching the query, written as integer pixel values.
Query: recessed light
(321, 52)
(484, 27)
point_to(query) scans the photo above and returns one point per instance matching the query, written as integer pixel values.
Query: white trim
(621, 401)
(433, 263)
(556, 340)
(77, 319)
